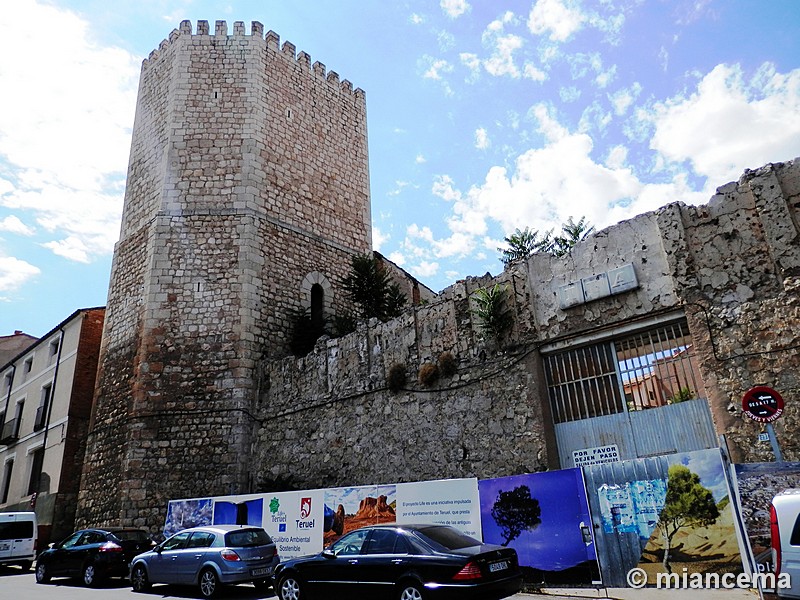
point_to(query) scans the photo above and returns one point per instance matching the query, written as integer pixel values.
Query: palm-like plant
(371, 289)
(525, 242)
(490, 309)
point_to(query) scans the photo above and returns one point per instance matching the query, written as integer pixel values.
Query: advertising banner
(545, 518)
(454, 502)
(348, 508)
(295, 521)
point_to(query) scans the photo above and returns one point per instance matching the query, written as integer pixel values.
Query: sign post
(765, 405)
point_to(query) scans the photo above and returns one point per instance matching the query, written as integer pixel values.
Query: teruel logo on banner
(305, 508)
(305, 512)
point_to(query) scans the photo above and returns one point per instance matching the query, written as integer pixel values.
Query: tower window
(317, 306)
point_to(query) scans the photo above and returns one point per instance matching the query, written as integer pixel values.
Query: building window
(37, 460)
(648, 369)
(7, 381)
(53, 351)
(7, 470)
(44, 405)
(27, 367)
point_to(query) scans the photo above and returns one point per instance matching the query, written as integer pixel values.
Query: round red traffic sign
(762, 404)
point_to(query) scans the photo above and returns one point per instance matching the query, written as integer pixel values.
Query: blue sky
(483, 116)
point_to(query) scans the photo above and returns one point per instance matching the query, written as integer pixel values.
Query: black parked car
(92, 555)
(402, 562)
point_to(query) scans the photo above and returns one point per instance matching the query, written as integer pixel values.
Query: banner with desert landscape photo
(664, 514)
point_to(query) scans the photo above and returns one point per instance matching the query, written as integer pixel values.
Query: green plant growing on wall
(682, 395)
(428, 374)
(370, 288)
(489, 307)
(688, 504)
(516, 511)
(447, 364)
(520, 244)
(396, 378)
(525, 242)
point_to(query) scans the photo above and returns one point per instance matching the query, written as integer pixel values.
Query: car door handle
(353, 561)
(397, 561)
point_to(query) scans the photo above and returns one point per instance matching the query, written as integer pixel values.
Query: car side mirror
(53, 545)
(158, 549)
(328, 553)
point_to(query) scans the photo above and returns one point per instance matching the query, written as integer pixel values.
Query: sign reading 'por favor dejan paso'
(595, 456)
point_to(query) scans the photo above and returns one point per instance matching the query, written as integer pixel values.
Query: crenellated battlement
(272, 44)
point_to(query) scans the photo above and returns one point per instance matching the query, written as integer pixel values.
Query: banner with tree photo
(545, 518)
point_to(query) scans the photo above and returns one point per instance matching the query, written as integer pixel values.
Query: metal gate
(640, 392)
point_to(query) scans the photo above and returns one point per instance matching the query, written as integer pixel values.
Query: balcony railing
(10, 432)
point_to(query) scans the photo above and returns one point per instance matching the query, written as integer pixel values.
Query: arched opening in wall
(317, 307)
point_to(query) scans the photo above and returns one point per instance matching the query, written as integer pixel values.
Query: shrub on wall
(396, 377)
(489, 306)
(447, 364)
(428, 374)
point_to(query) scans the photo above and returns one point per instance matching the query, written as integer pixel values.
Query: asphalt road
(16, 585)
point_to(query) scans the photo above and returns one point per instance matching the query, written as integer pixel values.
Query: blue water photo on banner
(182, 514)
(249, 512)
(545, 518)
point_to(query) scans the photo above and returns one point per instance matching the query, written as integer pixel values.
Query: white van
(784, 513)
(18, 535)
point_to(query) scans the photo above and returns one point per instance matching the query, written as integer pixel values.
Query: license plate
(261, 572)
(498, 566)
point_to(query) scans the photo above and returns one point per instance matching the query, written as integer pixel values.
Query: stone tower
(247, 194)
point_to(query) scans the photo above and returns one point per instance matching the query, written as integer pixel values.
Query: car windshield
(447, 538)
(247, 538)
(131, 535)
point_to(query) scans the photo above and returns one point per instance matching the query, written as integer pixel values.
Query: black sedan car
(402, 562)
(92, 555)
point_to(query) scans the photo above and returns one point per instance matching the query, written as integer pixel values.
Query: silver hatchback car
(208, 557)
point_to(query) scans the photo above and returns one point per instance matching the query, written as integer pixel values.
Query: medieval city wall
(729, 266)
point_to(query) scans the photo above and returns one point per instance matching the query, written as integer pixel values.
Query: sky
(483, 116)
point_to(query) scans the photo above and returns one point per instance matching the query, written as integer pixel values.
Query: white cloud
(416, 19)
(14, 273)
(424, 269)
(434, 67)
(65, 130)
(530, 71)
(420, 159)
(12, 224)
(556, 18)
(454, 8)
(502, 46)
(378, 238)
(622, 99)
(617, 157)
(544, 187)
(397, 258)
(729, 124)
(569, 94)
(481, 139)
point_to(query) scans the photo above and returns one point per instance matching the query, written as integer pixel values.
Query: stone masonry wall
(730, 266)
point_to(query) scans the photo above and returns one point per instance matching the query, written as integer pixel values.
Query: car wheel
(262, 585)
(410, 591)
(209, 583)
(42, 573)
(289, 588)
(89, 575)
(139, 580)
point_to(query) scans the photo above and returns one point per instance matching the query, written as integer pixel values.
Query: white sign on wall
(595, 456)
(452, 502)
